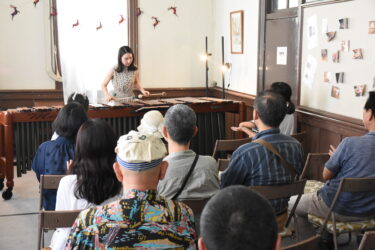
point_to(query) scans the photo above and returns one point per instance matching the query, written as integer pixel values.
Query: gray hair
(180, 121)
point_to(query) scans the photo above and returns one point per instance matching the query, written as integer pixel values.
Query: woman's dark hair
(93, 162)
(120, 66)
(286, 91)
(82, 99)
(69, 119)
(370, 103)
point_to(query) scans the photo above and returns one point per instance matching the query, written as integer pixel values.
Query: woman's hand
(236, 129)
(110, 98)
(332, 150)
(145, 93)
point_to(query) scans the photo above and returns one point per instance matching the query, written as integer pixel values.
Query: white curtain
(87, 54)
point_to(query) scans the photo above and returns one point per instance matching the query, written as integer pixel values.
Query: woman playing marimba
(124, 76)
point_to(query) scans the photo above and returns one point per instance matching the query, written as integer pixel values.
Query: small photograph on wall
(340, 77)
(373, 83)
(335, 92)
(357, 54)
(343, 23)
(236, 32)
(336, 57)
(324, 55)
(330, 35)
(345, 45)
(371, 27)
(327, 77)
(359, 90)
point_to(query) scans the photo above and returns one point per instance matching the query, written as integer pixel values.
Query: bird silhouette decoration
(122, 19)
(53, 12)
(156, 21)
(15, 11)
(99, 27)
(75, 24)
(35, 2)
(173, 9)
(139, 12)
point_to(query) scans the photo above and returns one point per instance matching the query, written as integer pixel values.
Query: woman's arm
(104, 86)
(246, 130)
(137, 85)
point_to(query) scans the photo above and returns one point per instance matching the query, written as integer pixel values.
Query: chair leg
(334, 231)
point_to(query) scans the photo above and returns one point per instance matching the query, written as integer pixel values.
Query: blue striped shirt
(254, 165)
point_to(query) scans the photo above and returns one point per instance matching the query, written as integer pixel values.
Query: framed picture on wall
(236, 32)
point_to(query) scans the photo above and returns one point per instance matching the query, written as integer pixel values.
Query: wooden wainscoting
(324, 129)
(29, 98)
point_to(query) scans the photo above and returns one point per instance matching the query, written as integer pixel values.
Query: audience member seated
(52, 156)
(152, 123)
(288, 126)
(75, 97)
(238, 218)
(353, 158)
(179, 128)
(253, 164)
(92, 181)
(141, 219)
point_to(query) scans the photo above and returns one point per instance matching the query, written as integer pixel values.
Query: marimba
(22, 130)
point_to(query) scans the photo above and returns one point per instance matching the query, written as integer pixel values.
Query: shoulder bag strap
(271, 148)
(186, 177)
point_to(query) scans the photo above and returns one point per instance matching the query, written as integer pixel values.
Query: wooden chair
(314, 166)
(222, 164)
(308, 244)
(228, 146)
(197, 207)
(301, 136)
(352, 185)
(368, 241)
(49, 220)
(282, 191)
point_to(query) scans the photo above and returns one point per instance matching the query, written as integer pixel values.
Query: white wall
(243, 76)
(23, 46)
(169, 54)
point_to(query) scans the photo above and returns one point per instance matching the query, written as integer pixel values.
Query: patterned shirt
(123, 83)
(254, 165)
(142, 219)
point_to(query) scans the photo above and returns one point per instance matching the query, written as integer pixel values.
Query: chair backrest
(368, 241)
(48, 182)
(222, 164)
(314, 166)
(55, 219)
(197, 207)
(352, 185)
(308, 244)
(301, 136)
(228, 145)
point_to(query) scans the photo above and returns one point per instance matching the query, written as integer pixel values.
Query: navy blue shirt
(354, 158)
(51, 158)
(254, 165)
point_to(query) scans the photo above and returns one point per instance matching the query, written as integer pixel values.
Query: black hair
(238, 218)
(93, 162)
(180, 121)
(271, 108)
(370, 103)
(82, 99)
(69, 119)
(120, 66)
(286, 91)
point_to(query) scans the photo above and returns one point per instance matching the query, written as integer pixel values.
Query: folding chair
(282, 191)
(301, 136)
(368, 241)
(314, 166)
(50, 220)
(228, 146)
(308, 244)
(352, 185)
(197, 207)
(222, 164)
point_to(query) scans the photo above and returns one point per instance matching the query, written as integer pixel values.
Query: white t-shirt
(288, 126)
(65, 200)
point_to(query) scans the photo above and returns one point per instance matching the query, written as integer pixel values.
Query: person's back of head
(93, 162)
(271, 108)
(238, 218)
(69, 119)
(369, 112)
(285, 90)
(180, 122)
(82, 99)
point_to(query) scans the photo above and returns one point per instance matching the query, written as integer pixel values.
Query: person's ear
(116, 168)
(195, 131)
(201, 245)
(255, 115)
(165, 133)
(278, 243)
(163, 169)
